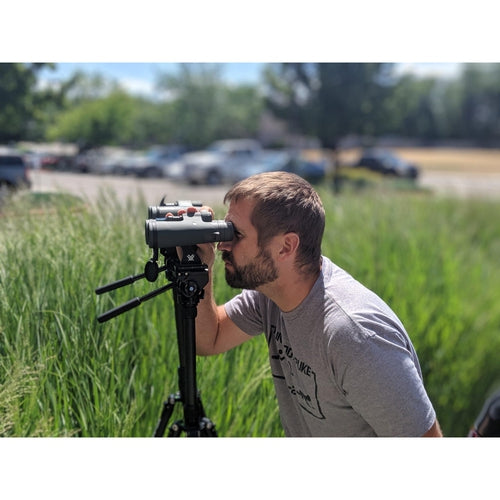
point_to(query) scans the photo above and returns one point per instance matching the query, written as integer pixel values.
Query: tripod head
(189, 276)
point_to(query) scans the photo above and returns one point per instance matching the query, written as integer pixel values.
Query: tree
(20, 100)
(480, 110)
(152, 123)
(329, 100)
(204, 108)
(103, 121)
(418, 107)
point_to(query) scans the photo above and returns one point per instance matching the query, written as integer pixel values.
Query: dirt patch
(450, 171)
(476, 161)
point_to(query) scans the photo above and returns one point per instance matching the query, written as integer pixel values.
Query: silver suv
(219, 162)
(13, 171)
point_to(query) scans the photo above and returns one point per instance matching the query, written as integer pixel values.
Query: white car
(105, 160)
(217, 164)
(154, 162)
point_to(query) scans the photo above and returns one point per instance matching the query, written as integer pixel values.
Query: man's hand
(206, 252)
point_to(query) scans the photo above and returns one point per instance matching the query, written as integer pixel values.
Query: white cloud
(137, 86)
(439, 70)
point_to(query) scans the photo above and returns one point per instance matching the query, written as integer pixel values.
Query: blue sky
(140, 77)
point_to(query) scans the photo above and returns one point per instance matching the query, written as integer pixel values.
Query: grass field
(434, 260)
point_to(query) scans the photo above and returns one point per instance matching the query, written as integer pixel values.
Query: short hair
(285, 202)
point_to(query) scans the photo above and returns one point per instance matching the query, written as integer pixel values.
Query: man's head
(285, 203)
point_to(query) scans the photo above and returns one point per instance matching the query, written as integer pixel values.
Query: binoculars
(184, 223)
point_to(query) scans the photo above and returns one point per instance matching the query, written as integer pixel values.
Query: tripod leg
(175, 429)
(207, 428)
(204, 427)
(168, 408)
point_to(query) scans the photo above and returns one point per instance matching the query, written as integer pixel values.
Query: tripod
(188, 277)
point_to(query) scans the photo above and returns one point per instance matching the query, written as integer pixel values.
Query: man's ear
(289, 246)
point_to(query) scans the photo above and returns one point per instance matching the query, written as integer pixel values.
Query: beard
(259, 272)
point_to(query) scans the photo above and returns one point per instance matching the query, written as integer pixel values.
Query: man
(342, 362)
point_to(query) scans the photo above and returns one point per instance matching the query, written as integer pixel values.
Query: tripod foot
(205, 427)
(168, 408)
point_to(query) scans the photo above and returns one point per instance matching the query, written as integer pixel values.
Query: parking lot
(88, 186)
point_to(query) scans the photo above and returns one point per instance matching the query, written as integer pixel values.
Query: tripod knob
(189, 288)
(151, 270)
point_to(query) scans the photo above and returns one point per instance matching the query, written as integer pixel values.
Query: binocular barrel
(161, 211)
(179, 231)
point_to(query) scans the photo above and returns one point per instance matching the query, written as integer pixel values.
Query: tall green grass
(435, 261)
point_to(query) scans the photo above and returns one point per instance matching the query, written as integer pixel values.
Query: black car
(13, 171)
(387, 163)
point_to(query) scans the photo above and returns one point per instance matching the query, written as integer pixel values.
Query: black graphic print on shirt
(297, 374)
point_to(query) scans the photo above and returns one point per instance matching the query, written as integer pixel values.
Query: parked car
(266, 161)
(14, 172)
(218, 163)
(152, 163)
(312, 171)
(288, 161)
(387, 163)
(104, 160)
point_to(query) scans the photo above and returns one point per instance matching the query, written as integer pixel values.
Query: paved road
(152, 190)
(89, 186)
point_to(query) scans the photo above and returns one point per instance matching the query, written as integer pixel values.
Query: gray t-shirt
(342, 362)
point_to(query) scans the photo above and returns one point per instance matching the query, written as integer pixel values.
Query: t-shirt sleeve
(383, 385)
(246, 311)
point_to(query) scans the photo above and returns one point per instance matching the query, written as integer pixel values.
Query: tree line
(196, 106)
